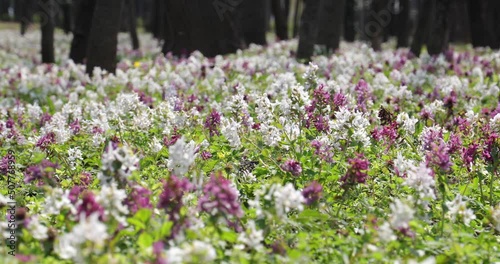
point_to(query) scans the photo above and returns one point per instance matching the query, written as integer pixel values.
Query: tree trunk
(24, 13)
(331, 19)
(440, 30)
(201, 25)
(423, 28)
(280, 19)
(67, 16)
(46, 8)
(81, 31)
(254, 20)
(308, 31)
(4, 9)
(103, 36)
(349, 32)
(403, 23)
(297, 17)
(379, 21)
(132, 23)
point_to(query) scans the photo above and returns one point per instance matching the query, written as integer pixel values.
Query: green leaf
(145, 241)
(229, 236)
(138, 224)
(166, 229)
(143, 215)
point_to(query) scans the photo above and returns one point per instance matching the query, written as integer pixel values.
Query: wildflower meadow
(252, 157)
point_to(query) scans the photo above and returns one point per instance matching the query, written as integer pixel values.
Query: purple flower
(75, 193)
(363, 94)
(438, 156)
(138, 198)
(454, 144)
(46, 117)
(40, 172)
(219, 197)
(357, 171)
(85, 179)
(89, 205)
(293, 167)
(339, 100)
(323, 151)
(212, 123)
(4, 165)
(171, 197)
(45, 141)
(75, 127)
(469, 153)
(450, 100)
(206, 155)
(312, 193)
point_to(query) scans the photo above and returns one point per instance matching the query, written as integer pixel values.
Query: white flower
(155, 145)
(286, 198)
(112, 198)
(57, 201)
(420, 178)
(65, 247)
(121, 161)
(401, 215)
(252, 238)
(37, 230)
(89, 229)
(385, 233)
(495, 123)
(408, 123)
(457, 209)
(229, 130)
(195, 252)
(181, 156)
(74, 154)
(495, 214)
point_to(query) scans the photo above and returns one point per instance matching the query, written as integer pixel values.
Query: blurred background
(224, 26)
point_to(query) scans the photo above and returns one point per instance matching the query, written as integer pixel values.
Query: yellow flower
(137, 64)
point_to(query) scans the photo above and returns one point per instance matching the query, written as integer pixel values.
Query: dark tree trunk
(4, 9)
(254, 20)
(202, 25)
(308, 31)
(132, 23)
(103, 36)
(460, 22)
(46, 8)
(403, 23)
(81, 31)
(349, 32)
(280, 19)
(67, 16)
(297, 18)
(24, 13)
(440, 28)
(425, 16)
(484, 23)
(331, 19)
(379, 21)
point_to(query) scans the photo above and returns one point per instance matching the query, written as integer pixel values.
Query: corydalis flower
(118, 163)
(181, 156)
(312, 193)
(43, 171)
(170, 200)
(138, 198)
(220, 197)
(357, 171)
(212, 123)
(46, 140)
(457, 209)
(293, 167)
(420, 178)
